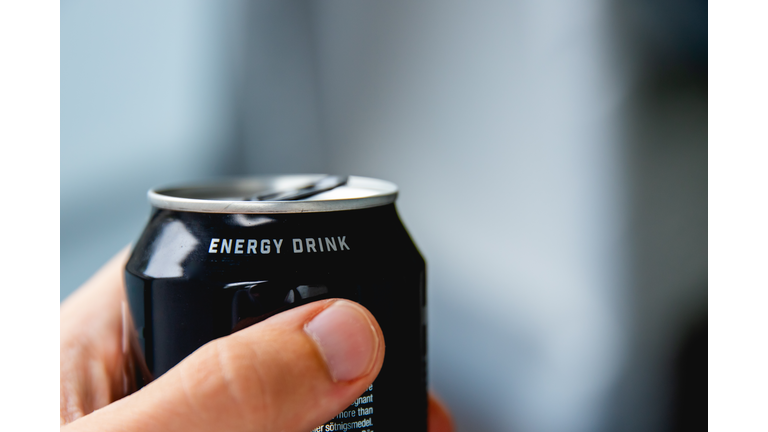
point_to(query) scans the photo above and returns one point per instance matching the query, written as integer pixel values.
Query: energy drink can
(216, 258)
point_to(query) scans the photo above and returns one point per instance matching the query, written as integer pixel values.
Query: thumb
(291, 372)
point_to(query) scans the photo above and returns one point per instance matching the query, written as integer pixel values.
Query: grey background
(551, 156)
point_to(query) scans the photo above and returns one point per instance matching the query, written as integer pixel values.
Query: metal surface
(325, 184)
(194, 277)
(233, 196)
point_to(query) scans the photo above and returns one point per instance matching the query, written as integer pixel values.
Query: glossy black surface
(182, 296)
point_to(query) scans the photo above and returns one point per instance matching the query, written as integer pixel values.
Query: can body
(194, 277)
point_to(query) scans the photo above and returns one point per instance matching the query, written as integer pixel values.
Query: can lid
(306, 193)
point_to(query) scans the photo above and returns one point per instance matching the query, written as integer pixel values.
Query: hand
(303, 373)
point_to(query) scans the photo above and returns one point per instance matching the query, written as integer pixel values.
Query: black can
(219, 257)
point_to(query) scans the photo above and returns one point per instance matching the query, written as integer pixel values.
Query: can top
(306, 193)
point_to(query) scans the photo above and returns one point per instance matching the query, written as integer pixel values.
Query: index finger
(92, 349)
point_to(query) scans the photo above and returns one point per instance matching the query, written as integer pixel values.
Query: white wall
(499, 121)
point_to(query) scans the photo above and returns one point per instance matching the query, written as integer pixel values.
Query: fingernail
(346, 338)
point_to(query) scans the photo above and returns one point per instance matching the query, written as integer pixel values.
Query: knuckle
(233, 379)
(231, 373)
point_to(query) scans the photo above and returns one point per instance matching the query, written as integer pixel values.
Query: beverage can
(218, 257)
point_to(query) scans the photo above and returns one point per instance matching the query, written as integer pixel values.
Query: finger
(91, 356)
(291, 372)
(439, 419)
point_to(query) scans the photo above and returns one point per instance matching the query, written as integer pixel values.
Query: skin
(228, 384)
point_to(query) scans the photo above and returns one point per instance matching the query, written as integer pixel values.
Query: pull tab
(324, 184)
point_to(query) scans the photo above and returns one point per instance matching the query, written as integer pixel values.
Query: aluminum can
(218, 257)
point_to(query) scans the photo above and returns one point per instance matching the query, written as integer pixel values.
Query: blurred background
(551, 156)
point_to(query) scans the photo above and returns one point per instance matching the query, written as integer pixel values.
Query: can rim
(190, 197)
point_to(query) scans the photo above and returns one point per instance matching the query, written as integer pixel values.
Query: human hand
(304, 372)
